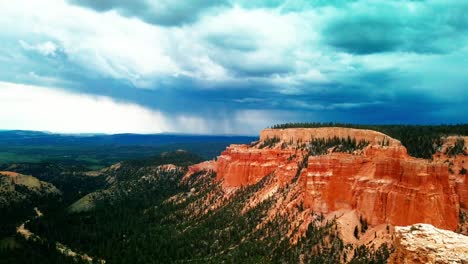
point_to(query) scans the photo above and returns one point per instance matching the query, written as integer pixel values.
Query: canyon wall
(242, 165)
(383, 189)
(381, 182)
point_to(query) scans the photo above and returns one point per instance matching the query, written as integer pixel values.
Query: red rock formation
(455, 165)
(209, 165)
(384, 189)
(382, 183)
(461, 187)
(241, 165)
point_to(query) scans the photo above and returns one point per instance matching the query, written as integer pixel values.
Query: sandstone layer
(385, 187)
(306, 134)
(241, 165)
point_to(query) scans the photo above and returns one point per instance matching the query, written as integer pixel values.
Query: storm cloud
(237, 66)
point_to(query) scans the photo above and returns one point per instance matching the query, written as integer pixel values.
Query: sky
(230, 66)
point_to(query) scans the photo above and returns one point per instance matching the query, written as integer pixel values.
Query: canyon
(296, 195)
(380, 182)
(375, 191)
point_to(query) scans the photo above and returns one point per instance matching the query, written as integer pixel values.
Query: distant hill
(96, 151)
(16, 188)
(18, 195)
(22, 137)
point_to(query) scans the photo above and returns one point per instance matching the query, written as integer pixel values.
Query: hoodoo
(344, 168)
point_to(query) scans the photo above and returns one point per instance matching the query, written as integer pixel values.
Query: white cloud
(28, 107)
(47, 48)
(106, 43)
(235, 44)
(38, 108)
(253, 42)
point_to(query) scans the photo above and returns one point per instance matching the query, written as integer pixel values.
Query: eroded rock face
(241, 165)
(381, 182)
(423, 243)
(457, 167)
(384, 187)
(209, 165)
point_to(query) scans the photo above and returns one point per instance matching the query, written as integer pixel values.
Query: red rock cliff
(457, 164)
(241, 165)
(382, 183)
(398, 190)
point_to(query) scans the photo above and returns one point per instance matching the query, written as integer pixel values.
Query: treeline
(178, 158)
(457, 149)
(71, 180)
(420, 140)
(269, 142)
(321, 146)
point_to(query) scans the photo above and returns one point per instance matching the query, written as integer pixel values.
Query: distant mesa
(304, 135)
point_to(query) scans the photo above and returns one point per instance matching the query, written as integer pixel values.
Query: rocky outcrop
(209, 165)
(242, 165)
(381, 182)
(457, 167)
(423, 243)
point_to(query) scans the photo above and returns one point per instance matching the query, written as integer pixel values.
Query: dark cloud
(341, 61)
(287, 6)
(256, 70)
(363, 35)
(160, 12)
(106, 5)
(375, 27)
(367, 96)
